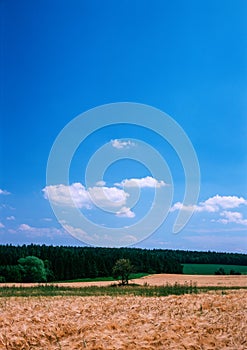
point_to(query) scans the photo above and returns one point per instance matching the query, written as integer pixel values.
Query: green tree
(11, 273)
(233, 272)
(220, 271)
(122, 269)
(49, 273)
(33, 269)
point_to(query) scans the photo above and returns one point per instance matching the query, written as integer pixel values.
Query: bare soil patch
(205, 321)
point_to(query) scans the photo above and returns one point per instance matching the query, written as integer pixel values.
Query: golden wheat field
(200, 280)
(210, 320)
(162, 279)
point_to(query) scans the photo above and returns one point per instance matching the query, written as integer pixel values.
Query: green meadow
(209, 269)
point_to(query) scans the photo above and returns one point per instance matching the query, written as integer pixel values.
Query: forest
(68, 263)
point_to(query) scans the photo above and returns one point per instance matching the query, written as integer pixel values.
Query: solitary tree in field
(122, 269)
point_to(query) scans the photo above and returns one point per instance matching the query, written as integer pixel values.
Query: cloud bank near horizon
(220, 205)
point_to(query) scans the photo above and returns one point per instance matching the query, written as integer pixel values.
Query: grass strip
(112, 290)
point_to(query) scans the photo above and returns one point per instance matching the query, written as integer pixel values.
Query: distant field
(209, 269)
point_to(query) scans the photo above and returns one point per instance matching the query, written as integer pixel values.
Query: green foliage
(233, 272)
(114, 290)
(32, 269)
(209, 269)
(11, 273)
(49, 273)
(122, 269)
(71, 263)
(220, 271)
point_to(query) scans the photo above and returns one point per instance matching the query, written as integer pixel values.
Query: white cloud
(120, 144)
(100, 183)
(73, 195)
(128, 239)
(7, 207)
(232, 217)
(80, 234)
(144, 182)
(77, 195)
(217, 202)
(125, 212)
(108, 196)
(4, 192)
(25, 227)
(217, 205)
(180, 206)
(10, 218)
(1, 225)
(213, 204)
(31, 231)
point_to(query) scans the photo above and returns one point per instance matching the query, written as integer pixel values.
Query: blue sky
(186, 58)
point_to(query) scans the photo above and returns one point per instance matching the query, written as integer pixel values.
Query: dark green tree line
(63, 263)
(29, 269)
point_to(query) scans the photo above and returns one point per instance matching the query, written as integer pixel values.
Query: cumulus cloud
(100, 183)
(147, 181)
(10, 218)
(218, 204)
(125, 212)
(180, 206)
(232, 217)
(120, 144)
(25, 227)
(213, 204)
(4, 192)
(71, 196)
(77, 195)
(108, 196)
(31, 231)
(1, 225)
(112, 198)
